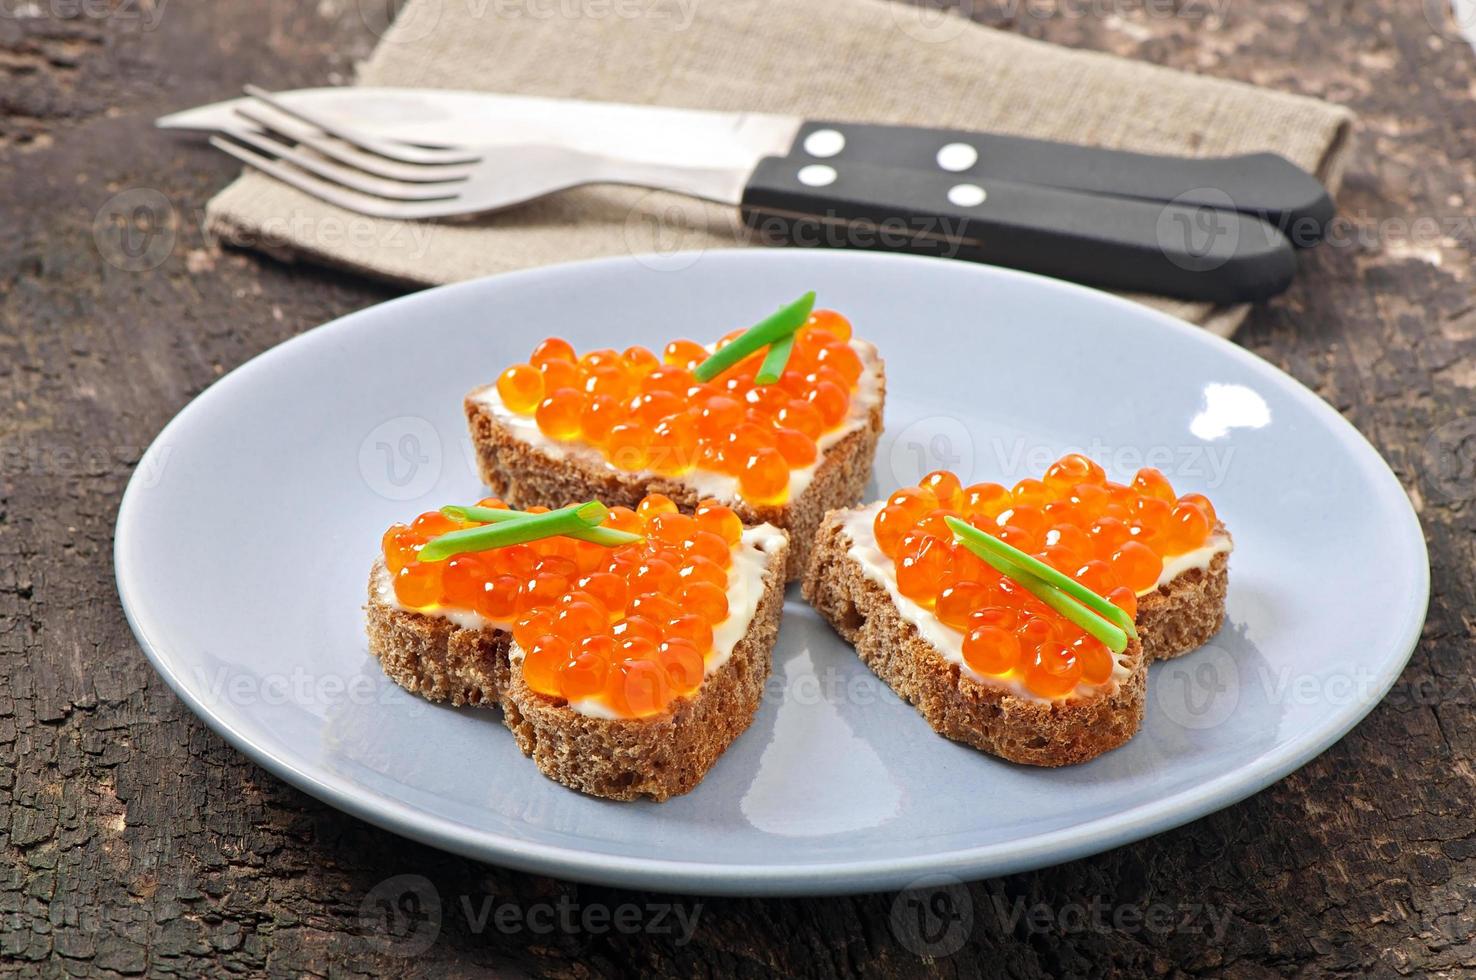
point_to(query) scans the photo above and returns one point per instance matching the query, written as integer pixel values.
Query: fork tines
(358, 172)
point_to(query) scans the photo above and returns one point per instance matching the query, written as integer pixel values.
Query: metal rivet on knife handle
(825, 143)
(817, 175)
(957, 157)
(966, 195)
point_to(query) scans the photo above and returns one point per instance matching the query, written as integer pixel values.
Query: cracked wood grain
(135, 841)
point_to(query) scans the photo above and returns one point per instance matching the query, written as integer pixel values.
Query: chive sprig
(775, 361)
(607, 536)
(1067, 596)
(507, 531)
(773, 328)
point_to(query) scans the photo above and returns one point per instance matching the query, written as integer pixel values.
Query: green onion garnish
(1073, 600)
(774, 361)
(768, 330)
(1112, 637)
(529, 527)
(1051, 576)
(607, 536)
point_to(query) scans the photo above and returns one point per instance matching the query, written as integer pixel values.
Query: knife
(1202, 229)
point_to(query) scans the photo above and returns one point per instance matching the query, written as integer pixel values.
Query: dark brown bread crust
(525, 476)
(620, 759)
(661, 756)
(1037, 733)
(434, 657)
(1183, 614)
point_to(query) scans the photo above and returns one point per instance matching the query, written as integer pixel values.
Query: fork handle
(1196, 253)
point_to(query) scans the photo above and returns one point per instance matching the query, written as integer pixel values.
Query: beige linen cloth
(860, 60)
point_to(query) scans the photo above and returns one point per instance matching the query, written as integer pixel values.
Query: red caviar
(629, 627)
(645, 412)
(1111, 537)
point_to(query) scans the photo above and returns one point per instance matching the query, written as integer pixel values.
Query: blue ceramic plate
(245, 539)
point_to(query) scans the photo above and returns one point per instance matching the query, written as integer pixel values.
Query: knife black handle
(1194, 253)
(1263, 185)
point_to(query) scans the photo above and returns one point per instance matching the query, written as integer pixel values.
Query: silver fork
(392, 179)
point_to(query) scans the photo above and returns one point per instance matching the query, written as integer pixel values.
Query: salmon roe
(1113, 538)
(648, 412)
(629, 627)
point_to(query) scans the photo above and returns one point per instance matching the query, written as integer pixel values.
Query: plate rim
(833, 877)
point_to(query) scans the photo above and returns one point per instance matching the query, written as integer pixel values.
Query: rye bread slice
(526, 476)
(988, 717)
(616, 758)
(664, 755)
(1179, 617)
(432, 656)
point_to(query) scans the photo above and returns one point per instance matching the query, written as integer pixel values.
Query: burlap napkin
(864, 60)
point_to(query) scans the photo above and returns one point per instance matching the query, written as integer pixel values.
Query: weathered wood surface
(134, 840)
